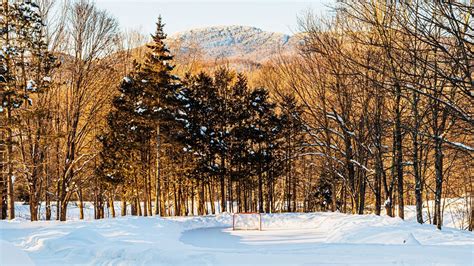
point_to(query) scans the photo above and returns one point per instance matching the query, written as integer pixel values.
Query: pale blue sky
(179, 15)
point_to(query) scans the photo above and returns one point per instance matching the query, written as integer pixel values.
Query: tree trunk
(158, 203)
(295, 183)
(379, 154)
(344, 197)
(81, 204)
(96, 198)
(112, 206)
(10, 195)
(193, 194)
(201, 207)
(166, 197)
(64, 202)
(471, 220)
(288, 178)
(123, 207)
(187, 201)
(137, 197)
(46, 192)
(175, 200)
(245, 196)
(58, 201)
(362, 187)
(148, 183)
(350, 166)
(230, 196)
(378, 182)
(269, 193)
(416, 163)
(333, 194)
(4, 199)
(222, 185)
(62, 215)
(3, 181)
(145, 202)
(182, 199)
(438, 217)
(33, 201)
(389, 204)
(239, 196)
(144, 173)
(133, 207)
(100, 205)
(211, 198)
(260, 192)
(399, 153)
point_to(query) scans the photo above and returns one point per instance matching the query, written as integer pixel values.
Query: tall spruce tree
(160, 92)
(144, 110)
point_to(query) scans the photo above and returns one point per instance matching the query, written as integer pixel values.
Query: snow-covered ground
(456, 211)
(288, 239)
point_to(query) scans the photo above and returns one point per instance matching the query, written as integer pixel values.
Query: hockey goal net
(247, 221)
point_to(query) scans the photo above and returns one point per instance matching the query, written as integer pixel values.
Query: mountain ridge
(233, 42)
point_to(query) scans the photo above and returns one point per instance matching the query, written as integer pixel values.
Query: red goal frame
(259, 220)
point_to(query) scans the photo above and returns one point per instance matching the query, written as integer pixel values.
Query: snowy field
(288, 239)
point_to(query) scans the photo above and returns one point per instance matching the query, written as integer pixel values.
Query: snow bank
(11, 255)
(366, 229)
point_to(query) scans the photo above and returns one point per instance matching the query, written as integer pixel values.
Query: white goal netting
(247, 221)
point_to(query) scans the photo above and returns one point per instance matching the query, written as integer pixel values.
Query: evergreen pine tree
(158, 86)
(144, 109)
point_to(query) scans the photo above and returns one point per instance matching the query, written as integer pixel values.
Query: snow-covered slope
(287, 239)
(235, 42)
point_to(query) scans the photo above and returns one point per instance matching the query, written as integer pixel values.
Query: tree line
(373, 113)
(388, 91)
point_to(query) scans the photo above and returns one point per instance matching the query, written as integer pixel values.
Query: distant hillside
(233, 43)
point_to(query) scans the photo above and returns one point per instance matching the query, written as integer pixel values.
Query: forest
(371, 114)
